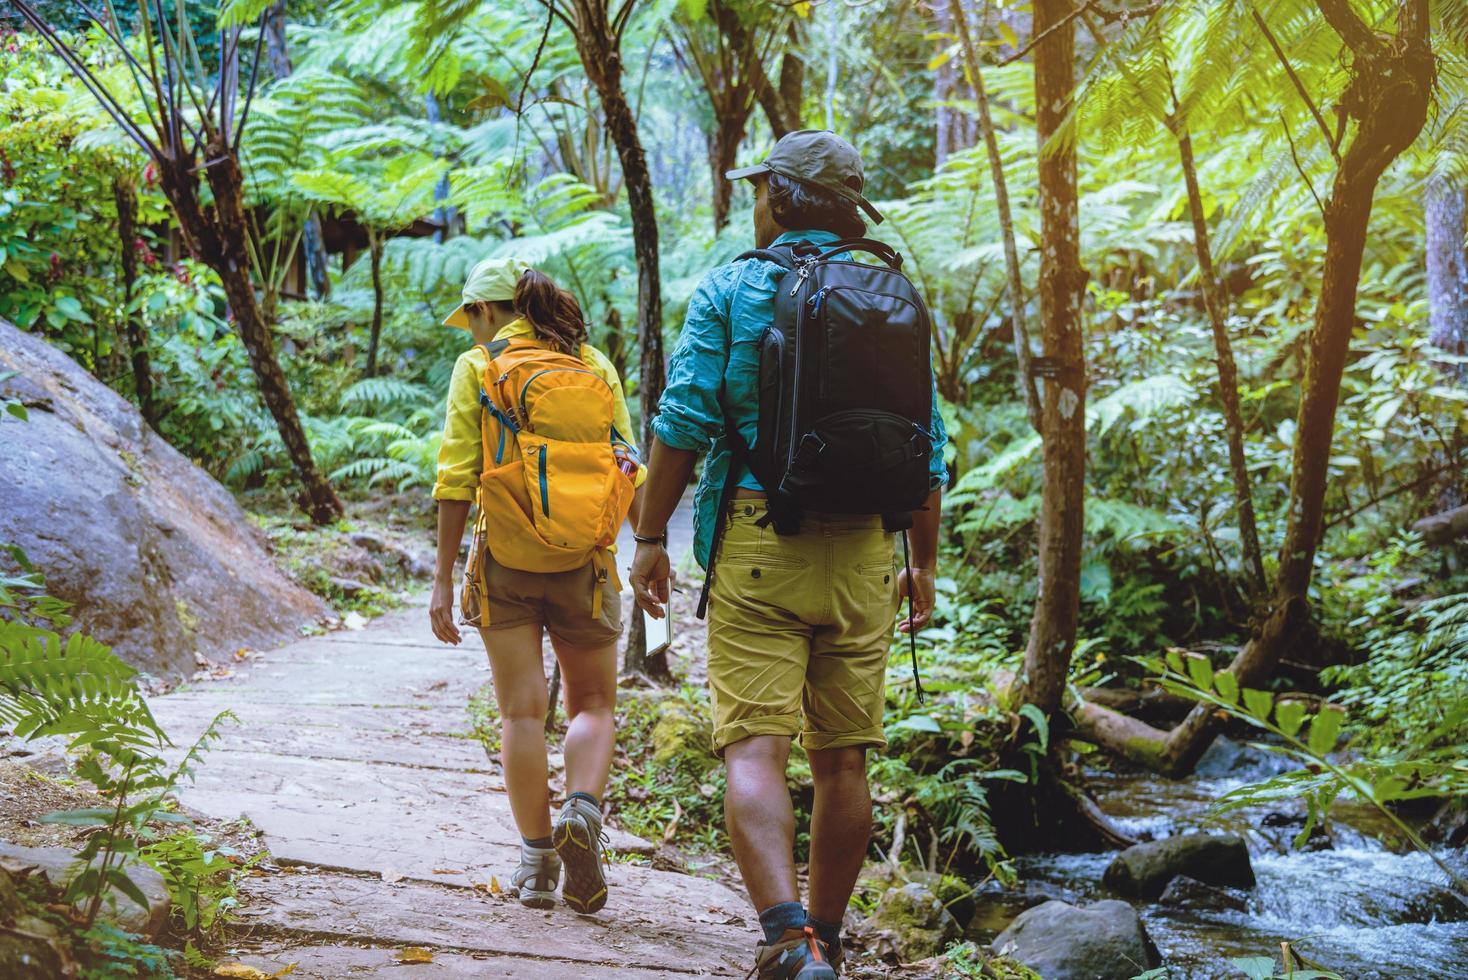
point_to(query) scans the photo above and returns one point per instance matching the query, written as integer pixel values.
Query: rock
(1183, 892)
(682, 733)
(30, 948)
(413, 565)
(1292, 824)
(1225, 757)
(916, 921)
(1104, 941)
(350, 587)
(156, 557)
(956, 894)
(56, 864)
(1143, 870)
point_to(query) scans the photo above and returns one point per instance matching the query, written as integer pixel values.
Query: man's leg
(840, 829)
(760, 819)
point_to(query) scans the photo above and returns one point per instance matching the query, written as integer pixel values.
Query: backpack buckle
(811, 447)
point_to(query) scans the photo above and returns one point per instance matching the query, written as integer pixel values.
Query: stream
(1357, 903)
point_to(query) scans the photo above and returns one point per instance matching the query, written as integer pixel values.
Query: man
(800, 624)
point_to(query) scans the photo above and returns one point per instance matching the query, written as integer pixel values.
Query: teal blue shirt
(714, 374)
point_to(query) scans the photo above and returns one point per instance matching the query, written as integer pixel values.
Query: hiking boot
(578, 838)
(536, 879)
(799, 955)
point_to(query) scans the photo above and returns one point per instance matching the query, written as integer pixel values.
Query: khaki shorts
(558, 601)
(800, 628)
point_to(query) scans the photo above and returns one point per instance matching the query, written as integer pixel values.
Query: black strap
(881, 250)
(781, 255)
(911, 626)
(738, 453)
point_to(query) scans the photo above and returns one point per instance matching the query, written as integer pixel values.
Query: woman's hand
(650, 576)
(921, 587)
(441, 612)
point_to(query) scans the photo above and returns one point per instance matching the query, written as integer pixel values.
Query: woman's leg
(589, 679)
(519, 690)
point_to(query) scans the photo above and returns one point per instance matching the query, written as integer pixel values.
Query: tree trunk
(374, 245)
(1388, 96)
(1447, 269)
(723, 154)
(1063, 423)
(126, 196)
(217, 235)
(277, 55)
(1017, 316)
(1228, 375)
(792, 79)
(602, 61)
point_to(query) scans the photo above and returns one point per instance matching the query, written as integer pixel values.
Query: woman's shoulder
(598, 361)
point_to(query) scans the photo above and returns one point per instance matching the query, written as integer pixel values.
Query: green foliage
(78, 689)
(1308, 735)
(202, 880)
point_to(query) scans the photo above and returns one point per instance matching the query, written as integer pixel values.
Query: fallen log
(1444, 528)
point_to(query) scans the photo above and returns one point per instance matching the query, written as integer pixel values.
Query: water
(1357, 904)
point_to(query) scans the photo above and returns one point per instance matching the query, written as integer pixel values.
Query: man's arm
(669, 471)
(453, 515)
(923, 539)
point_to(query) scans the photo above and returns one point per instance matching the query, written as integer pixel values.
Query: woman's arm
(453, 515)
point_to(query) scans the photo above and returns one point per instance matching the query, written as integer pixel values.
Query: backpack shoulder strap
(494, 349)
(781, 255)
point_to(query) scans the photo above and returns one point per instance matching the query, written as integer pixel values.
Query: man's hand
(921, 588)
(650, 575)
(441, 612)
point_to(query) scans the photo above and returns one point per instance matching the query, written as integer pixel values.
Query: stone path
(389, 824)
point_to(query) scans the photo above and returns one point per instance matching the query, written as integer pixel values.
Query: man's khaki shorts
(558, 601)
(799, 630)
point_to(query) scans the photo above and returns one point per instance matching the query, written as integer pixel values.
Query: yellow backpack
(552, 495)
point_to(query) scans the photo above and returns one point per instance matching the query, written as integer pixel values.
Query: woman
(514, 311)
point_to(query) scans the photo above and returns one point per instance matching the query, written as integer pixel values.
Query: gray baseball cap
(819, 157)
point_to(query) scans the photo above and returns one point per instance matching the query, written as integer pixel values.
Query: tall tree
(1063, 418)
(313, 245)
(1228, 372)
(125, 195)
(188, 122)
(705, 48)
(1017, 314)
(1390, 87)
(599, 34)
(1447, 265)
(781, 97)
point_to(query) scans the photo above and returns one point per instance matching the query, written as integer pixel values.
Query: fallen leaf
(242, 971)
(414, 954)
(494, 886)
(444, 871)
(392, 877)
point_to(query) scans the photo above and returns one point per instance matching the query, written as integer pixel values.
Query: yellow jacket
(461, 454)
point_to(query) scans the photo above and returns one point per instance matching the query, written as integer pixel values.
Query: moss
(682, 736)
(186, 617)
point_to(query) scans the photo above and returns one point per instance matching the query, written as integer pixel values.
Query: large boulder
(156, 557)
(1059, 941)
(1143, 870)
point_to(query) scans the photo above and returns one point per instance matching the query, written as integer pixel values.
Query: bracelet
(659, 539)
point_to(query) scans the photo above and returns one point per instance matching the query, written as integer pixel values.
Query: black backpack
(845, 393)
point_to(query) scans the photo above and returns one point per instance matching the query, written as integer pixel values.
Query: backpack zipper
(544, 485)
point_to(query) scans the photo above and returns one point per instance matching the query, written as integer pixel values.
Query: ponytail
(553, 313)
